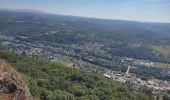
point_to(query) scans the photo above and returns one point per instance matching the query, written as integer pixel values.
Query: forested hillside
(53, 81)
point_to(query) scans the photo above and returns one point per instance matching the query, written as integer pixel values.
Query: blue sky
(140, 10)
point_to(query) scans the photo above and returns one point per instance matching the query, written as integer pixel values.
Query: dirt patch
(70, 65)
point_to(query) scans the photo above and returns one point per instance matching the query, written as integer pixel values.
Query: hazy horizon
(130, 10)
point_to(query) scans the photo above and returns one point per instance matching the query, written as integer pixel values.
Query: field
(60, 62)
(163, 49)
(161, 65)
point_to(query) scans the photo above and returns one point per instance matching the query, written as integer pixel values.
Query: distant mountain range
(23, 10)
(137, 27)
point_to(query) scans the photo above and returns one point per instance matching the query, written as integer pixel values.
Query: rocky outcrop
(12, 87)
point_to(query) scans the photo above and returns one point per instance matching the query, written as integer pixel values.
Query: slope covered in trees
(52, 81)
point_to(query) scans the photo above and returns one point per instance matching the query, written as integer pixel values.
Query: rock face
(12, 87)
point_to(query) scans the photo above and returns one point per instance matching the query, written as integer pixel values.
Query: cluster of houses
(151, 83)
(137, 62)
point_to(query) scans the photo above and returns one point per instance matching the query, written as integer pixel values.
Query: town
(92, 58)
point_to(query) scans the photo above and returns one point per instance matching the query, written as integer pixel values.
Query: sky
(136, 10)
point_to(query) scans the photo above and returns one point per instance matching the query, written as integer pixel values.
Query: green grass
(60, 62)
(161, 65)
(163, 49)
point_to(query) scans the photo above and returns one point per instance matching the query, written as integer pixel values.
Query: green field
(60, 62)
(161, 65)
(163, 49)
